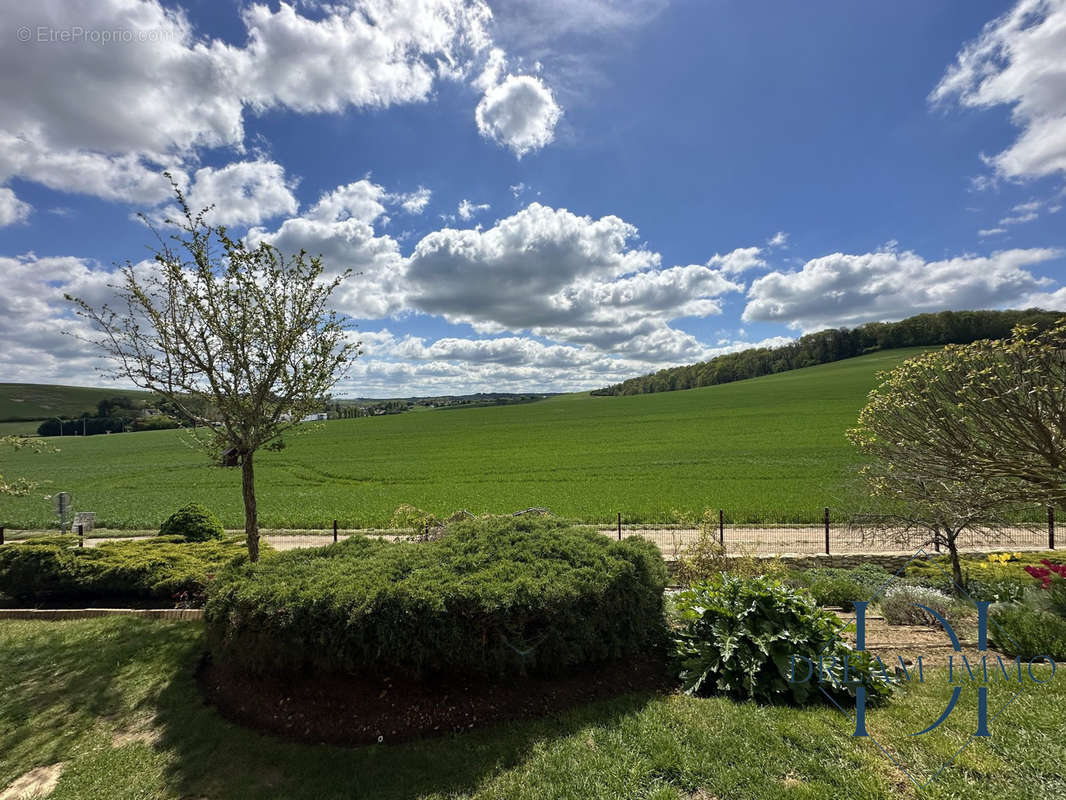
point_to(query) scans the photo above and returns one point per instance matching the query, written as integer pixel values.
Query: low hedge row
(159, 569)
(493, 597)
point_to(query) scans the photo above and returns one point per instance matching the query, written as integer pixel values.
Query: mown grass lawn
(770, 448)
(116, 700)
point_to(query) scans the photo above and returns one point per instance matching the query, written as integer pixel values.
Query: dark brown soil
(351, 710)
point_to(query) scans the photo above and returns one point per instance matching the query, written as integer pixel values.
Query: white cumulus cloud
(107, 120)
(414, 202)
(12, 209)
(520, 113)
(565, 277)
(242, 193)
(1018, 61)
(340, 228)
(846, 289)
(739, 260)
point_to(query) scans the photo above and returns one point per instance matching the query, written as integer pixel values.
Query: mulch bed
(355, 710)
(892, 642)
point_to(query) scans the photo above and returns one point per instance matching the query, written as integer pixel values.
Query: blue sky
(544, 196)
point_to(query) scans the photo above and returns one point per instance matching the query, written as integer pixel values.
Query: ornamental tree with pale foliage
(244, 332)
(956, 436)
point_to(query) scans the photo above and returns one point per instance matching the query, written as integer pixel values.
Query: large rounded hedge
(492, 597)
(193, 521)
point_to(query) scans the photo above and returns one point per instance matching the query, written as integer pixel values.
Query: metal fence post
(1050, 529)
(721, 528)
(81, 538)
(334, 531)
(827, 530)
(1, 535)
(619, 526)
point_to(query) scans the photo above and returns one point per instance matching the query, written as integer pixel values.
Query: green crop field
(19, 428)
(35, 401)
(770, 448)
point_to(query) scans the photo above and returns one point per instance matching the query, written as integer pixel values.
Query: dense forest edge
(836, 344)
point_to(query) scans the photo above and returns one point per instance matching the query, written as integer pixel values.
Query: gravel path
(746, 540)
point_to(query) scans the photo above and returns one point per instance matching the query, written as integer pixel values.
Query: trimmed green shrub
(872, 576)
(62, 539)
(834, 591)
(37, 572)
(1027, 632)
(149, 569)
(496, 596)
(742, 637)
(194, 522)
(835, 586)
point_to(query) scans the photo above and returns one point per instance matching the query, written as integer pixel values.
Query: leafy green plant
(496, 596)
(744, 636)
(1055, 596)
(996, 590)
(1027, 632)
(194, 522)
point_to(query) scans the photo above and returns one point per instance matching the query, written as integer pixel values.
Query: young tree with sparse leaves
(913, 511)
(244, 332)
(956, 436)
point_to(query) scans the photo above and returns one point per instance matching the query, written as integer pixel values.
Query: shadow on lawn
(133, 681)
(217, 758)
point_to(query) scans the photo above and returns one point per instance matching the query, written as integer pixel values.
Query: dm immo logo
(980, 673)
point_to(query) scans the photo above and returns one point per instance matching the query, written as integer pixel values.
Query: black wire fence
(823, 532)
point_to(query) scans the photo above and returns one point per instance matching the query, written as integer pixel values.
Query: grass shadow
(75, 686)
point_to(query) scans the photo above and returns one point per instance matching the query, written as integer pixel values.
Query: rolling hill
(770, 448)
(36, 401)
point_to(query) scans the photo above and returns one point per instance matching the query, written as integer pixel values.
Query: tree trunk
(251, 517)
(956, 568)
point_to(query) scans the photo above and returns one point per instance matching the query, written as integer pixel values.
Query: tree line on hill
(835, 344)
(375, 408)
(349, 409)
(116, 414)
